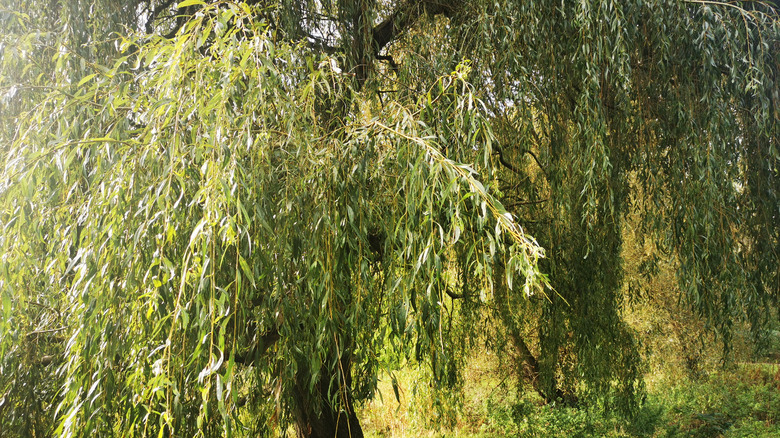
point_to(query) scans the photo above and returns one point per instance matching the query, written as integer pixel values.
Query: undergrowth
(691, 393)
(740, 401)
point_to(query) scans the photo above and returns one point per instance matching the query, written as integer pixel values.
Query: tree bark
(549, 393)
(405, 16)
(318, 416)
(532, 369)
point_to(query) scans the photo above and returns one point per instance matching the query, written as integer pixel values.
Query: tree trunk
(533, 371)
(322, 415)
(549, 393)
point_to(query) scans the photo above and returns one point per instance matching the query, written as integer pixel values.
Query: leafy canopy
(218, 215)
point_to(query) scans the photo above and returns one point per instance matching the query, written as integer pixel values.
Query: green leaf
(186, 3)
(246, 270)
(86, 79)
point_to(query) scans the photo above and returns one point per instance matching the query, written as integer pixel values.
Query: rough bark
(319, 417)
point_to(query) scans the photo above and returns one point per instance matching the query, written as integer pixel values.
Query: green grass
(743, 401)
(738, 402)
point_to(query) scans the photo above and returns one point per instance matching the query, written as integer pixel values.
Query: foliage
(153, 207)
(645, 118)
(216, 215)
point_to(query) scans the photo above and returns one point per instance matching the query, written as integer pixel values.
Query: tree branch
(453, 295)
(266, 341)
(408, 14)
(43, 306)
(41, 332)
(538, 163)
(389, 60)
(155, 12)
(506, 162)
(502, 159)
(521, 203)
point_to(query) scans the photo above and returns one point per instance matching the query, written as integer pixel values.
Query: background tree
(216, 215)
(646, 117)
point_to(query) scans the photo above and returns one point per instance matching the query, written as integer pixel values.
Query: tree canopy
(216, 216)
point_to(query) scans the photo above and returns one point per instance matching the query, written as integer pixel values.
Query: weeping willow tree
(668, 110)
(217, 215)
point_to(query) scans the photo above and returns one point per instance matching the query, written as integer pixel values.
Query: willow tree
(216, 215)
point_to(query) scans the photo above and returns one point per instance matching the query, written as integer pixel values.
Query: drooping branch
(521, 203)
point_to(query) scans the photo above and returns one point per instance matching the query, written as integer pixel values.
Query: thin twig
(40, 332)
(520, 203)
(43, 306)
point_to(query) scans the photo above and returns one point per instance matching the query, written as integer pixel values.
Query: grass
(741, 401)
